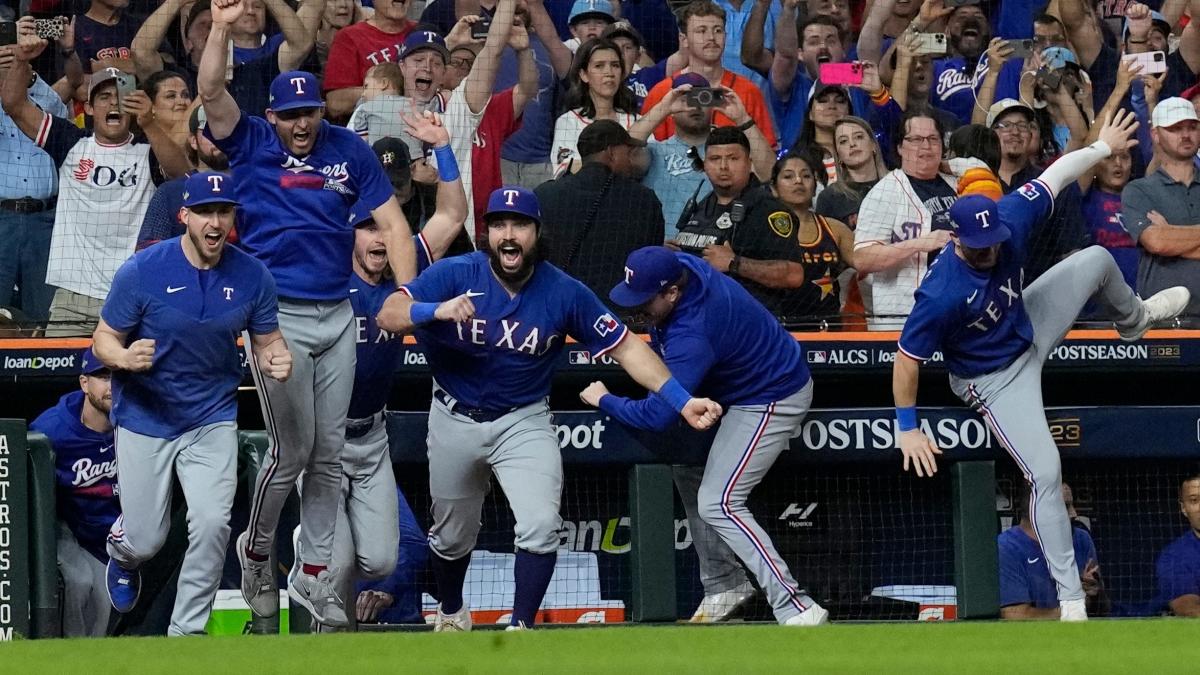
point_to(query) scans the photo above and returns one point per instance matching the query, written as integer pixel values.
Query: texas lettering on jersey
(512, 336)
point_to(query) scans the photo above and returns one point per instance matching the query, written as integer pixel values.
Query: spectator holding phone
(595, 91)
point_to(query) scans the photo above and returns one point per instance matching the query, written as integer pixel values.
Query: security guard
(740, 228)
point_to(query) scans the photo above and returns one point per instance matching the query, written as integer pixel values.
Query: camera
(705, 97)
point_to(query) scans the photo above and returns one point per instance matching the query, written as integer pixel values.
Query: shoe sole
(244, 562)
(304, 602)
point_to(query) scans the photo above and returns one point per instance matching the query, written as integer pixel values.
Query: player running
(492, 324)
(995, 338)
(298, 178)
(168, 331)
(717, 339)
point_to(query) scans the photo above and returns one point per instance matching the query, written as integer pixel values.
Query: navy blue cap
(209, 187)
(89, 364)
(424, 39)
(694, 79)
(977, 223)
(295, 89)
(360, 214)
(648, 270)
(514, 199)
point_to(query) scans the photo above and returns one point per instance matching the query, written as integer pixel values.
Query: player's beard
(529, 258)
(104, 405)
(217, 161)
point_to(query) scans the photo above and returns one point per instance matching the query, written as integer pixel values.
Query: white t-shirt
(462, 124)
(103, 193)
(567, 128)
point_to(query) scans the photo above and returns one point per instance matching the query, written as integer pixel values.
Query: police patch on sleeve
(781, 223)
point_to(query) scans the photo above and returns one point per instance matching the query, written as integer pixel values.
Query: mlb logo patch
(579, 358)
(818, 357)
(606, 324)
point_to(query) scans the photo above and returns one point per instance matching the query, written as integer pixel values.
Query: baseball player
(169, 332)
(298, 177)
(85, 476)
(368, 530)
(995, 337)
(492, 324)
(717, 339)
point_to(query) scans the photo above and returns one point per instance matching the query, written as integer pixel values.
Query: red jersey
(356, 48)
(497, 125)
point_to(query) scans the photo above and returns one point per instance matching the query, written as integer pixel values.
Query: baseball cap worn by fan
(623, 28)
(90, 365)
(648, 270)
(393, 154)
(602, 135)
(125, 82)
(997, 110)
(421, 40)
(1172, 111)
(516, 200)
(976, 221)
(694, 79)
(295, 89)
(209, 187)
(587, 9)
(1055, 58)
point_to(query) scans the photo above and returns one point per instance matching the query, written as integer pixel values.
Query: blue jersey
(85, 473)
(504, 357)
(378, 350)
(720, 343)
(194, 316)
(1024, 575)
(1178, 568)
(976, 317)
(296, 210)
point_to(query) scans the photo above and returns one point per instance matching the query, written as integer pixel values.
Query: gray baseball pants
(750, 439)
(205, 461)
(85, 593)
(1010, 399)
(522, 449)
(720, 570)
(306, 423)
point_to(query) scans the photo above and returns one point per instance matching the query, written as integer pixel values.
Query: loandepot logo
(39, 362)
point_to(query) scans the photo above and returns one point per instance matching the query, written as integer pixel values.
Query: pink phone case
(841, 73)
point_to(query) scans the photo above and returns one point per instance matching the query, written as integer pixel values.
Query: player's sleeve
(1014, 583)
(374, 188)
(1024, 208)
(125, 304)
(439, 283)
(925, 328)
(248, 133)
(590, 322)
(1177, 575)
(688, 359)
(424, 256)
(264, 318)
(57, 136)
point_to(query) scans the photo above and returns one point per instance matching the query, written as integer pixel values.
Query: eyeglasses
(1023, 127)
(923, 140)
(464, 63)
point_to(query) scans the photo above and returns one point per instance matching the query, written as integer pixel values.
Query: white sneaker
(1073, 610)
(458, 622)
(813, 616)
(718, 607)
(1163, 305)
(258, 582)
(520, 625)
(317, 595)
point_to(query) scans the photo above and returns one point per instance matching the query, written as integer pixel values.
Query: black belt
(359, 428)
(475, 414)
(28, 204)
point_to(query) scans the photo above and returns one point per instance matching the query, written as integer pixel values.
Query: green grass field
(1149, 646)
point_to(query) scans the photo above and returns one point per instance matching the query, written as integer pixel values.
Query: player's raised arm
(447, 221)
(221, 110)
(401, 314)
(644, 366)
(914, 444)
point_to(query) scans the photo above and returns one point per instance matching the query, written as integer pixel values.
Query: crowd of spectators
(826, 193)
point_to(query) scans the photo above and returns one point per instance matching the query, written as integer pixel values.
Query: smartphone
(126, 85)
(1152, 63)
(932, 44)
(1021, 49)
(841, 73)
(1051, 79)
(50, 29)
(8, 33)
(479, 29)
(705, 97)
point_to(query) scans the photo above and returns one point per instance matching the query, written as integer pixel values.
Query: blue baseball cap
(89, 364)
(209, 187)
(295, 89)
(586, 9)
(419, 40)
(977, 223)
(1058, 57)
(648, 270)
(514, 199)
(360, 214)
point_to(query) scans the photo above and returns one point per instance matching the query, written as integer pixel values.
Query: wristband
(422, 312)
(675, 394)
(735, 265)
(906, 417)
(745, 126)
(447, 165)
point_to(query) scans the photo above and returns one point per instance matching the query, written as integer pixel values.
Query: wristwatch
(735, 265)
(745, 126)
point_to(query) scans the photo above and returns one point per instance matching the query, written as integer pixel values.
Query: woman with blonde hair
(857, 156)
